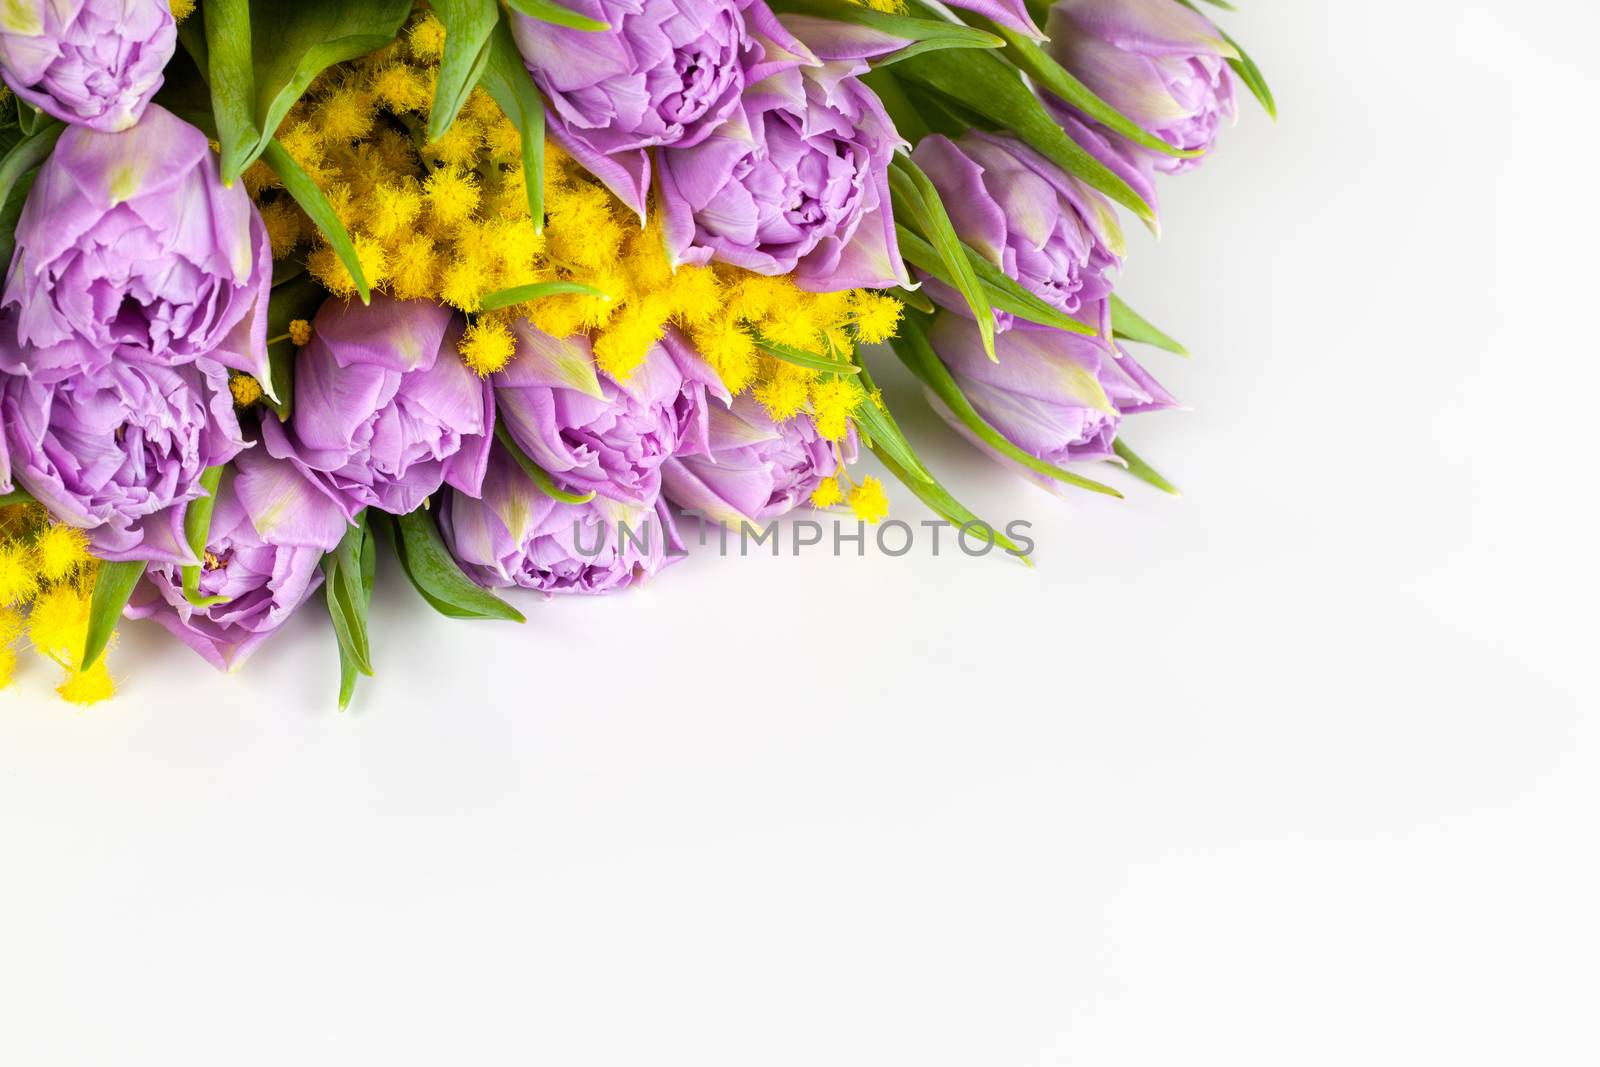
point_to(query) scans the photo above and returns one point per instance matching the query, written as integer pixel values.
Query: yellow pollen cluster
(46, 580)
(245, 389)
(448, 221)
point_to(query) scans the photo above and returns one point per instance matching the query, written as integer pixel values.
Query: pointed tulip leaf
(197, 532)
(916, 198)
(538, 291)
(537, 474)
(1003, 292)
(883, 433)
(801, 358)
(947, 507)
(1037, 64)
(1129, 325)
(437, 576)
(312, 201)
(505, 77)
(920, 34)
(1142, 470)
(468, 25)
(113, 585)
(548, 11)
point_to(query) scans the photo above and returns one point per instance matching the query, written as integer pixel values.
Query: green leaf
(547, 11)
(883, 433)
(230, 69)
(306, 193)
(993, 88)
(537, 291)
(915, 196)
(24, 156)
(1003, 292)
(801, 358)
(947, 507)
(347, 597)
(1129, 325)
(271, 52)
(297, 298)
(467, 26)
(506, 78)
(1142, 470)
(435, 574)
(1252, 77)
(18, 169)
(925, 34)
(1048, 74)
(18, 495)
(369, 574)
(917, 354)
(113, 585)
(537, 474)
(197, 532)
(349, 571)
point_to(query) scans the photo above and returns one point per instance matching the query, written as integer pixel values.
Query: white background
(1299, 769)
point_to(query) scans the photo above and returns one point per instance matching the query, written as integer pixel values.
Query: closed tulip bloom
(93, 63)
(131, 249)
(1058, 396)
(593, 433)
(1012, 14)
(516, 535)
(755, 469)
(665, 73)
(119, 451)
(263, 559)
(1054, 235)
(385, 411)
(1159, 62)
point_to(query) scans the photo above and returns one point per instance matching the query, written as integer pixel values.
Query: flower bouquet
(502, 291)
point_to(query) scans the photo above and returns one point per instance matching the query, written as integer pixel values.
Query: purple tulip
(516, 535)
(131, 248)
(384, 411)
(1012, 14)
(1055, 395)
(93, 63)
(1159, 62)
(795, 182)
(269, 530)
(756, 469)
(1054, 235)
(591, 432)
(119, 451)
(665, 73)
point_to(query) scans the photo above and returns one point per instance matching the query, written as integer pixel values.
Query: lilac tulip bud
(592, 433)
(269, 529)
(93, 63)
(516, 535)
(131, 248)
(756, 469)
(385, 411)
(665, 73)
(1053, 234)
(119, 451)
(1012, 14)
(795, 182)
(1159, 62)
(1056, 395)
